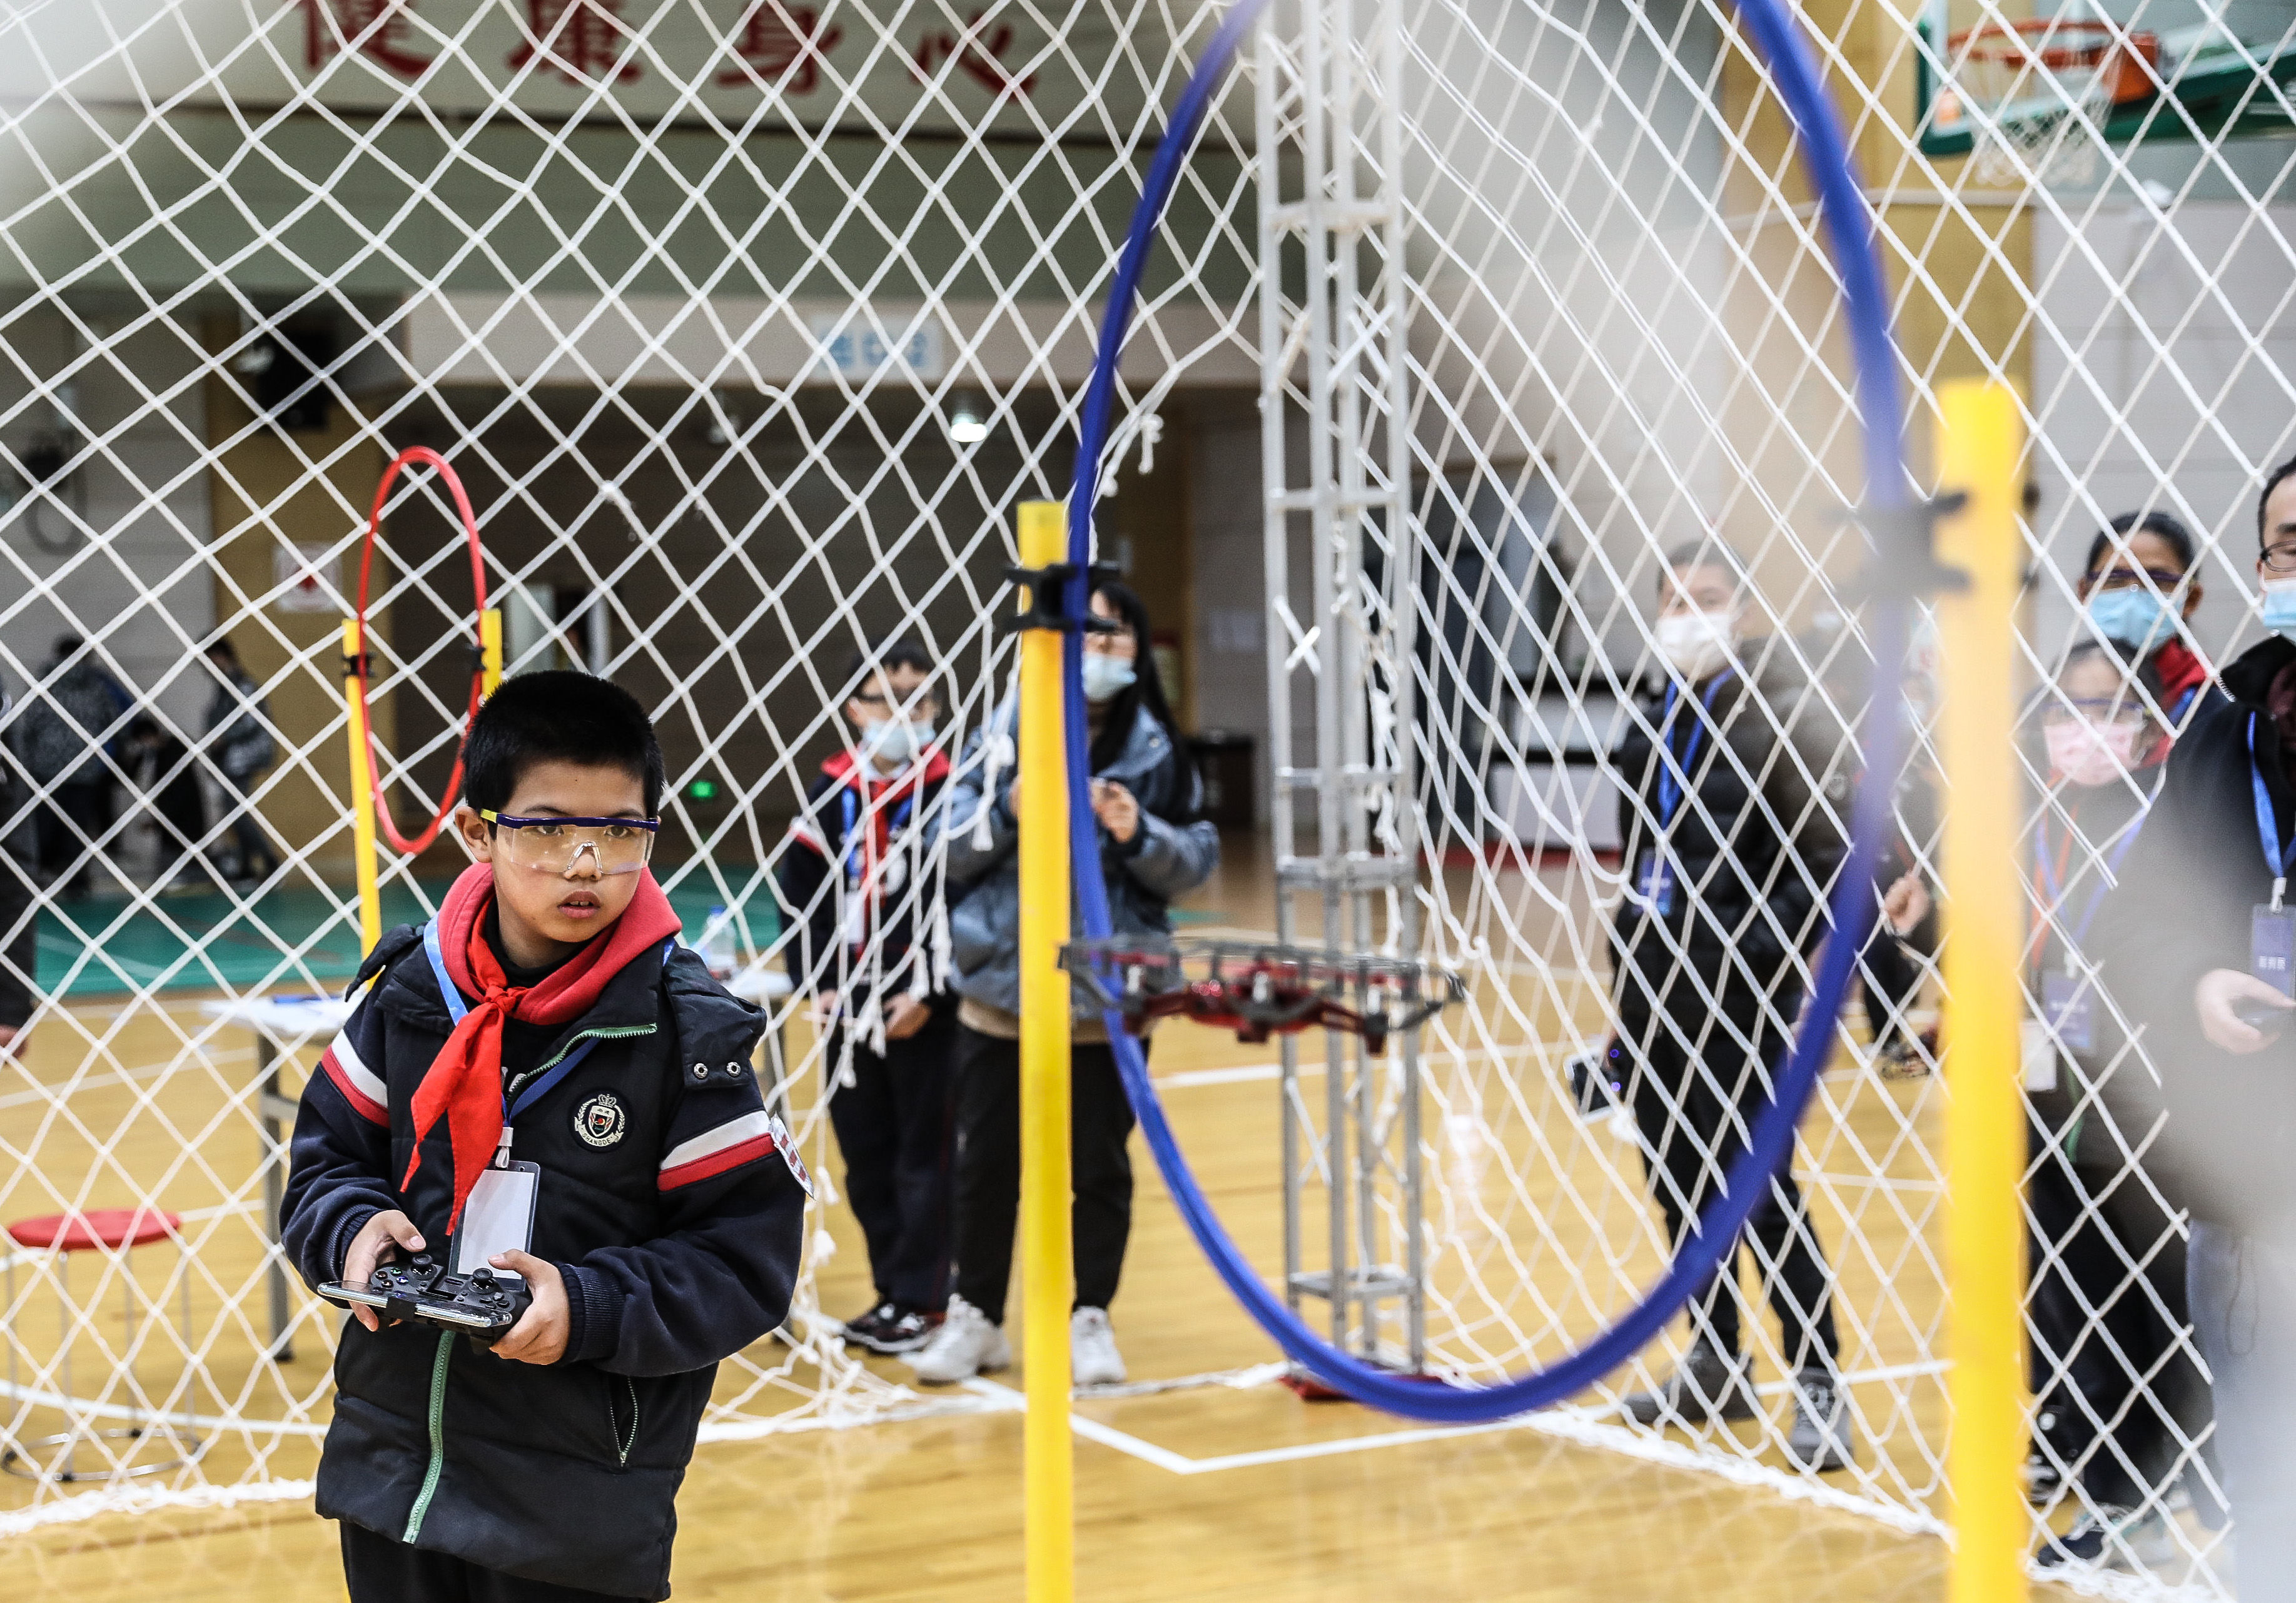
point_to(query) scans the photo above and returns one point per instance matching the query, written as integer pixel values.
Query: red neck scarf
(465, 1083)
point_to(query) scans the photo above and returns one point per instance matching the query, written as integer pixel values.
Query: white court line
(124, 1076)
(1583, 1424)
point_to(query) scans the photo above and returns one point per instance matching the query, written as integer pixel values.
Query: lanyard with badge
(890, 873)
(2068, 999)
(1654, 873)
(499, 1215)
(2271, 929)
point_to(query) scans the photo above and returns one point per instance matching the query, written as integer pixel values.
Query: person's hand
(539, 1337)
(10, 1034)
(378, 1240)
(1905, 903)
(822, 1011)
(905, 1016)
(1013, 798)
(2213, 999)
(1116, 808)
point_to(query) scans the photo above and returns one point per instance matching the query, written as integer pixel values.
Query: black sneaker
(1706, 1388)
(889, 1329)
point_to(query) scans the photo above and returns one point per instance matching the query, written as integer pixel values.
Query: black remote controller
(478, 1304)
(2263, 1017)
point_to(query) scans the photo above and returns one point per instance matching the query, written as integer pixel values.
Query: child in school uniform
(547, 1017)
(863, 911)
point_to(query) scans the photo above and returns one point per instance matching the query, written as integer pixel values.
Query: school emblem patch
(601, 1119)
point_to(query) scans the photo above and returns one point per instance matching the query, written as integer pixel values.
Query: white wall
(2162, 378)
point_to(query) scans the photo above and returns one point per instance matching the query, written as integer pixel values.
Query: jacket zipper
(622, 1444)
(438, 1437)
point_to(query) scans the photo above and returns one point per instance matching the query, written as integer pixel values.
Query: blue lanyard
(457, 1007)
(2110, 877)
(852, 805)
(1669, 793)
(2176, 714)
(2267, 823)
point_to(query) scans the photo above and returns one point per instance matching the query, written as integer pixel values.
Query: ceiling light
(965, 426)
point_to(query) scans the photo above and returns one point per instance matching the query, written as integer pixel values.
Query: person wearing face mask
(863, 908)
(2138, 588)
(1153, 846)
(2118, 1394)
(1729, 844)
(2204, 951)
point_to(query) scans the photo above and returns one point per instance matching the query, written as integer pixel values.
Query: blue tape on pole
(1849, 229)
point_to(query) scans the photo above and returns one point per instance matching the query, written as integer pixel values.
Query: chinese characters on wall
(768, 46)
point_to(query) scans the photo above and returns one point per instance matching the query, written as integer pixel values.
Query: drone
(1259, 988)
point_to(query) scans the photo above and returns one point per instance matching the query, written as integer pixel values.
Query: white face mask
(1697, 643)
(892, 742)
(1106, 678)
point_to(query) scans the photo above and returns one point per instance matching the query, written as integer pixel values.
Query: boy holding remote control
(543, 1085)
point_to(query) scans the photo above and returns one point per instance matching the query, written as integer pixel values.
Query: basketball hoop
(2038, 93)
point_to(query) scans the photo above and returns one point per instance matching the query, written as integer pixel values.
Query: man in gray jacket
(1153, 848)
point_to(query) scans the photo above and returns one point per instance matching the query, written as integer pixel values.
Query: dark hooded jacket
(2182, 910)
(1759, 832)
(670, 1201)
(2227, 1146)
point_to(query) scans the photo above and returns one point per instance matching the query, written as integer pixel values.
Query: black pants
(989, 1170)
(2119, 1392)
(86, 805)
(1892, 982)
(380, 1569)
(896, 1126)
(256, 860)
(1699, 1081)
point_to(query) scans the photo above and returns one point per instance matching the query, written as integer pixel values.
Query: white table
(280, 1024)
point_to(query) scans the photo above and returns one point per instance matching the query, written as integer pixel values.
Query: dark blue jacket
(678, 1235)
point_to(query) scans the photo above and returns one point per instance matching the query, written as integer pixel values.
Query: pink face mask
(2086, 753)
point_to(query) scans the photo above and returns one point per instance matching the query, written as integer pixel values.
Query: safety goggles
(554, 845)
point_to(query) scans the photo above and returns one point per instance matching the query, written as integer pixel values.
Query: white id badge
(2039, 1055)
(498, 1217)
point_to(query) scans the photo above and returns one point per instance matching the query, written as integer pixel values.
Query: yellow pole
(1978, 443)
(1047, 1270)
(490, 650)
(370, 889)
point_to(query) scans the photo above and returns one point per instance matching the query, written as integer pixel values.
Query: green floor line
(302, 938)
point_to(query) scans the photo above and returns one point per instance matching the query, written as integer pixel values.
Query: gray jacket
(1161, 860)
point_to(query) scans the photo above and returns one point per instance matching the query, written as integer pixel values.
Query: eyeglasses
(2281, 558)
(2095, 710)
(553, 846)
(2128, 578)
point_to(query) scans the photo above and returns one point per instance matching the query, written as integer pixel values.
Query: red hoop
(2054, 44)
(428, 457)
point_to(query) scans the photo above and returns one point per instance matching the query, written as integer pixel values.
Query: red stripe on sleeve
(366, 1106)
(717, 1163)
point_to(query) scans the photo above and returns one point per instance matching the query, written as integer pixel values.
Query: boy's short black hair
(561, 716)
(883, 659)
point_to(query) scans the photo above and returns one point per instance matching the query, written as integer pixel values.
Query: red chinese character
(775, 38)
(375, 28)
(980, 55)
(582, 41)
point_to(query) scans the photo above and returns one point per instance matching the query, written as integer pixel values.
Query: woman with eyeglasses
(2138, 588)
(2116, 1394)
(2203, 942)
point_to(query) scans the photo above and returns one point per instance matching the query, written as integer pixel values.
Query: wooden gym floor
(1211, 1492)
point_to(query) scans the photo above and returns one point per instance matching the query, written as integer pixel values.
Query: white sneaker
(1093, 1358)
(966, 1345)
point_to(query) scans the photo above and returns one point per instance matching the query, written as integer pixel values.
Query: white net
(748, 326)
